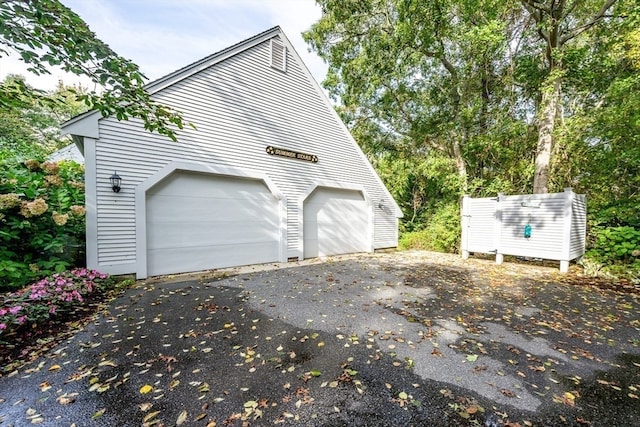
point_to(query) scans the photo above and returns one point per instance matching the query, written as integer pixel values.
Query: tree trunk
(546, 125)
(460, 164)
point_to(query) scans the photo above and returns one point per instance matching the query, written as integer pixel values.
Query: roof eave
(85, 125)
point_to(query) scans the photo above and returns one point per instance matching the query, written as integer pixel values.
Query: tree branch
(579, 30)
(536, 14)
(536, 5)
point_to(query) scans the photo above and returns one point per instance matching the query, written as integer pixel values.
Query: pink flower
(52, 309)
(21, 319)
(15, 309)
(3, 311)
(3, 326)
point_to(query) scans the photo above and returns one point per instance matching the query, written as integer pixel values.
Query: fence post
(497, 230)
(567, 217)
(464, 226)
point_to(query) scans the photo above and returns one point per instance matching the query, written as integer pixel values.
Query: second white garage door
(203, 221)
(335, 221)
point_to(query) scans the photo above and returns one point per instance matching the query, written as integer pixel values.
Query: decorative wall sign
(281, 152)
(530, 203)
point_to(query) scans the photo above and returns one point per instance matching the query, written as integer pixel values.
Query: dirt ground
(397, 339)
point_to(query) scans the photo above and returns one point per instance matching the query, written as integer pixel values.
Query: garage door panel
(212, 256)
(200, 185)
(177, 206)
(179, 213)
(227, 221)
(335, 222)
(215, 233)
(198, 222)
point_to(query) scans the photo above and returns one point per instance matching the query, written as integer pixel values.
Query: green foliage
(428, 76)
(453, 96)
(46, 33)
(416, 182)
(56, 295)
(615, 245)
(441, 231)
(30, 126)
(42, 217)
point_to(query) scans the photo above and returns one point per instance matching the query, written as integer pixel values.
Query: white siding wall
(547, 225)
(578, 226)
(480, 225)
(239, 107)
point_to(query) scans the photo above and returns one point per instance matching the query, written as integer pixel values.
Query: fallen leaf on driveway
(181, 418)
(146, 389)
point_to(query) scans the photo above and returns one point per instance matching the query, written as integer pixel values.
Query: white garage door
(335, 222)
(202, 221)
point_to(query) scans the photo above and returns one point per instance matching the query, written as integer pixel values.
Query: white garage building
(269, 173)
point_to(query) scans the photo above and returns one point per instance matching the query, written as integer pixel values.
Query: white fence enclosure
(548, 226)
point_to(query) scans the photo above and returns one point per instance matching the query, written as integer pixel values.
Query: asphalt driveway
(399, 339)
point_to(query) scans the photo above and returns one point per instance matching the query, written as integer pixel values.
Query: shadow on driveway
(409, 338)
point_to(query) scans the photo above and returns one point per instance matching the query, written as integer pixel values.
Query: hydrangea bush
(55, 295)
(42, 220)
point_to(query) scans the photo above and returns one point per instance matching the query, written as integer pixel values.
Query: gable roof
(214, 58)
(69, 152)
(85, 124)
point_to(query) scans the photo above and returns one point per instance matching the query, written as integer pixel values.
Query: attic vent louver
(278, 55)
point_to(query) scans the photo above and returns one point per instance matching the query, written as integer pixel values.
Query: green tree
(427, 77)
(46, 33)
(502, 96)
(601, 135)
(30, 125)
(560, 25)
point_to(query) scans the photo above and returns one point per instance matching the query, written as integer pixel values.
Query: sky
(161, 36)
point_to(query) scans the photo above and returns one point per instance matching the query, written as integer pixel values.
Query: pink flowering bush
(52, 296)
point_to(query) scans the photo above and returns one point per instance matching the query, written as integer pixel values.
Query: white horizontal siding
(385, 227)
(557, 225)
(482, 225)
(578, 226)
(547, 226)
(239, 107)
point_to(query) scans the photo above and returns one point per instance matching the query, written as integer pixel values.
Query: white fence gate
(548, 226)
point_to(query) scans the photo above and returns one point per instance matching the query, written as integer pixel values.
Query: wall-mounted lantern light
(115, 181)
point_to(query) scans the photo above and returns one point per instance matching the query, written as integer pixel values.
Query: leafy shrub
(616, 252)
(52, 296)
(441, 232)
(615, 244)
(42, 226)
